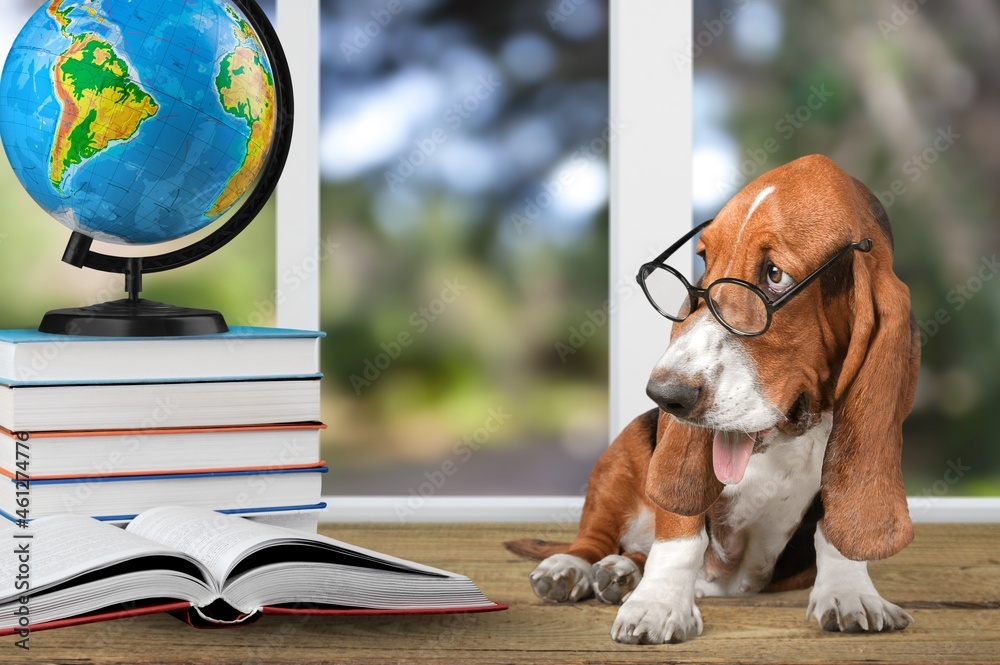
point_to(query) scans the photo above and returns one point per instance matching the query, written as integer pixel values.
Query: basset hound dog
(772, 462)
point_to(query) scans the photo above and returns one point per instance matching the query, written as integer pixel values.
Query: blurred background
(464, 203)
(465, 189)
(469, 202)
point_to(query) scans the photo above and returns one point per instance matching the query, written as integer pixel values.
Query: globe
(137, 121)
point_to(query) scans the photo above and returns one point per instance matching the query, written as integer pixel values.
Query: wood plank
(947, 567)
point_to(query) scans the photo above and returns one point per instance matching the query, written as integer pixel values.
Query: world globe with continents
(137, 121)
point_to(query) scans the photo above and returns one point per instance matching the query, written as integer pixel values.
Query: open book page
(129, 592)
(221, 541)
(62, 547)
(329, 584)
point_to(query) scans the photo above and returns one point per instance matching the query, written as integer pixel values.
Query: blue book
(287, 512)
(32, 358)
(116, 498)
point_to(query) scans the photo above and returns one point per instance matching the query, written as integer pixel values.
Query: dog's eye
(777, 279)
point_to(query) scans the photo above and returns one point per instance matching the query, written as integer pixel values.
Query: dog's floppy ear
(680, 478)
(866, 516)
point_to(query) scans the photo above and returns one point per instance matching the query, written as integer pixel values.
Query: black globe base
(133, 318)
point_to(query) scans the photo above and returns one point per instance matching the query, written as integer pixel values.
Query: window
(464, 157)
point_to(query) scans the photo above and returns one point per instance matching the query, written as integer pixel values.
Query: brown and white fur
(824, 392)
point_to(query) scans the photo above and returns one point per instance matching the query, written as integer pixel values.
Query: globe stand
(136, 317)
(129, 317)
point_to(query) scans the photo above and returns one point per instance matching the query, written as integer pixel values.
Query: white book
(148, 406)
(29, 357)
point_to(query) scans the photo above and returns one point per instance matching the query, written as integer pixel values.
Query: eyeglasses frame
(695, 293)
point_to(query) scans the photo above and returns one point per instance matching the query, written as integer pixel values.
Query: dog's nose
(675, 394)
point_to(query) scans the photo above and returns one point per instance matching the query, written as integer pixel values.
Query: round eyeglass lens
(740, 307)
(668, 293)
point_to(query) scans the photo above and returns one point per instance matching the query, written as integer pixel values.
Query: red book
(88, 453)
(187, 613)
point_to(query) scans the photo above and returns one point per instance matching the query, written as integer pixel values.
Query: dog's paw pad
(654, 622)
(562, 578)
(857, 613)
(615, 577)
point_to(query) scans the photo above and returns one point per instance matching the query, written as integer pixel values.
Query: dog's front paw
(656, 622)
(856, 612)
(615, 577)
(562, 578)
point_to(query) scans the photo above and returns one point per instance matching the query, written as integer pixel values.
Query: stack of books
(111, 427)
(164, 434)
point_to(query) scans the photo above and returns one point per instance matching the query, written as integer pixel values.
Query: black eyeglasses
(743, 308)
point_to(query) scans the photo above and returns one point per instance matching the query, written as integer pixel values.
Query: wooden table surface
(948, 579)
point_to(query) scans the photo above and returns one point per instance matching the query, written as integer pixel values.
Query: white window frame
(650, 206)
(298, 190)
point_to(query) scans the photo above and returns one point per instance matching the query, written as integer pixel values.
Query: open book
(214, 568)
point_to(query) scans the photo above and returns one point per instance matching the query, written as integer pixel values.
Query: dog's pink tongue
(730, 455)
